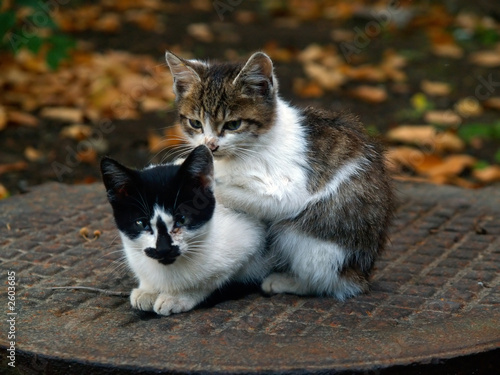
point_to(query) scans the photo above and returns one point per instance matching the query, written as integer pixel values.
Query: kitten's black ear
(184, 75)
(199, 167)
(117, 179)
(257, 76)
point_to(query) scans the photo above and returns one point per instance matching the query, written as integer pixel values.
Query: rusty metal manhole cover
(436, 294)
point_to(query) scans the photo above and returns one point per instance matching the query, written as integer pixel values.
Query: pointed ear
(199, 167)
(117, 179)
(184, 75)
(256, 77)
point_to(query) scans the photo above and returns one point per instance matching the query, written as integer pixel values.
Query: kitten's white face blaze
(182, 237)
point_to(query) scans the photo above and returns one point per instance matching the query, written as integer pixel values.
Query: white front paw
(166, 304)
(143, 299)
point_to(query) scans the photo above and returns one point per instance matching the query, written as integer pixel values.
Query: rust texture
(435, 296)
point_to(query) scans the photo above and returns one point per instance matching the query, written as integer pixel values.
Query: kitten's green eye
(196, 124)
(232, 125)
(180, 221)
(144, 225)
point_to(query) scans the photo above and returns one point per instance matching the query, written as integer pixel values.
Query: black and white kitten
(179, 242)
(314, 175)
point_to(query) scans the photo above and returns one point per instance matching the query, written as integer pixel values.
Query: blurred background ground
(89, 79)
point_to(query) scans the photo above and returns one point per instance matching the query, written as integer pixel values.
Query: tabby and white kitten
(179, 242)
(314, 175)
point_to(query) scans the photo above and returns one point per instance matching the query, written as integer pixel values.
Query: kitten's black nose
(215, 149)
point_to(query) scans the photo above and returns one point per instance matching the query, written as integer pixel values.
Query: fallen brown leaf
(366, 73)
(13, 167)
(404, 156)
(312, 52)
(487, 175)
(493, 103)
(307, 89)
(3, 118)
(328, 79)
(370, 94)
(342, 35)
(201, 32)
(468, 107)
(109, 22)
(88, 156)
(448, 50)
(452, 165)
(65, 114)
(4, 193)
(22, 118)
(488, 58)
(78, 132)
(151, 104)
(426, 136)
(434, 88)
(448, 118)
(392, 65)
(448, 141)
(413, 134)
(32, 154)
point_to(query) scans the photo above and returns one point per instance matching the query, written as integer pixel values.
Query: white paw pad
(143, 299)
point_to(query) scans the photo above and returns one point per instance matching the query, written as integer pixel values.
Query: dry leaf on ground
(65, 114)
(448, 118)
(487, 175)
(201, 32)
(448, 50)
(434, 88)
(370, 94)
(4, 193)
(78, 132)
(451, 165)
(3, 118)
(488, 58)
(329, 79)
(413, 134)
(32, 154)
(493, 103)
(468, 107)
(404, 156)
(306, 89)
(151, 104)
(13, 167)
(22, 118)
(88, 156)
(426, 136)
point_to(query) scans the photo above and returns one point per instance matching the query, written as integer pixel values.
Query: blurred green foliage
(479, 130)
(29, 24)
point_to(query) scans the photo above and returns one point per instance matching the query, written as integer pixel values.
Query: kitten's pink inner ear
(259, 66)
(184, 76)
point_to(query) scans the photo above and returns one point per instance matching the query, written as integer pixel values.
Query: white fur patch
(229, 246)
(272, 182)
(344, 174)
(314, 266)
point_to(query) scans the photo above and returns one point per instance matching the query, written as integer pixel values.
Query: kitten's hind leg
(143, 299)
(283, 283)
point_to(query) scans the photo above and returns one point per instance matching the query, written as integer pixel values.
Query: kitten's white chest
(272, 184)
